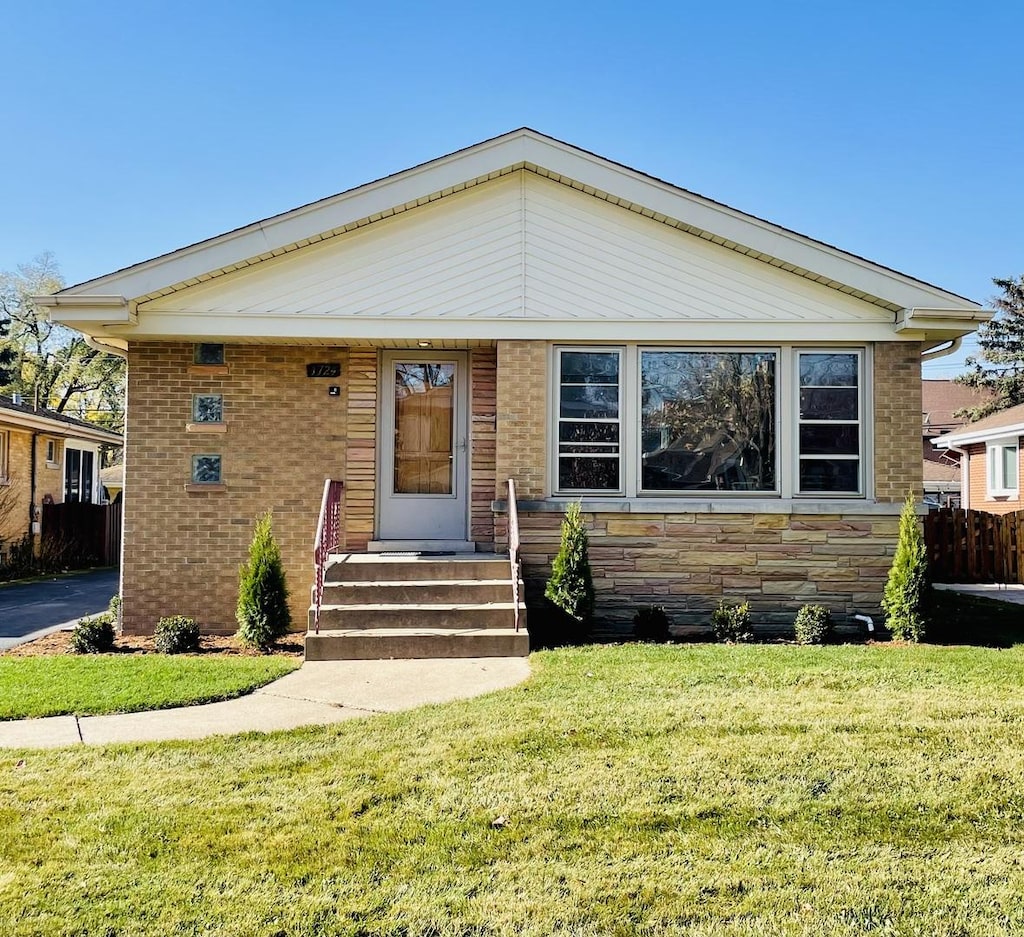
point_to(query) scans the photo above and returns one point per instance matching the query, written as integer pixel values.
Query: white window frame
(995, 476)
(712, 350)
(53, 449)
(5, 455)
(787, 403)
(556, 419)
(862, 414)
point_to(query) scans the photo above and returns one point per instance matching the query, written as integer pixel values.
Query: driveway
(31, 609)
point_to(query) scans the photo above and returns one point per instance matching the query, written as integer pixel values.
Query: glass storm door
(424, 467)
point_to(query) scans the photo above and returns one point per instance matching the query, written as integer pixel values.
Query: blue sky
(891, 130)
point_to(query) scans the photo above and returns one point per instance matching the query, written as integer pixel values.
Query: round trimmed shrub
(731, 622)
(176, 635)
(93, 635)
(650, 623)
(813, 625)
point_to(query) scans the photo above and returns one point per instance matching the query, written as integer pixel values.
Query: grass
(106, 683)
(697, 790)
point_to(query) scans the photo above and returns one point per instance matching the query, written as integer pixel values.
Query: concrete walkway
(1012, 593)
(318, 693)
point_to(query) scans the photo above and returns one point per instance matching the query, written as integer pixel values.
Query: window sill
(53, 465)
(208, 370)
(206, 427)
(703, 506)
(1003, 495)
(196, 487)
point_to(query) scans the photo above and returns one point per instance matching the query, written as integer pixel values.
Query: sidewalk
(1012, 593)
(318, 693)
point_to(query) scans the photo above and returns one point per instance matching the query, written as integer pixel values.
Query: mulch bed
(223, 646)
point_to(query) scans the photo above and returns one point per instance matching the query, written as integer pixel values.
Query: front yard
(34, 685)
(699, 790)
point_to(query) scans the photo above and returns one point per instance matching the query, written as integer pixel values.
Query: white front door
(424, 464)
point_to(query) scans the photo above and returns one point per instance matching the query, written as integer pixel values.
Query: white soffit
(570, 166)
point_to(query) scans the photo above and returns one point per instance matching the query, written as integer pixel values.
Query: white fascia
(995, 433)
(584, 170)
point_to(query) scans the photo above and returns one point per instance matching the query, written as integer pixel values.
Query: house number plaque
(323, 369)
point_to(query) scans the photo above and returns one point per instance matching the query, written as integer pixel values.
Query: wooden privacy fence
(82, 534)
(973, 546)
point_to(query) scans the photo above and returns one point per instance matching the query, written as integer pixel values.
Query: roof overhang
(37, 422)
(956, 440)
(105, 308)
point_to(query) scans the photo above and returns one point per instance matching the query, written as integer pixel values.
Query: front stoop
(380, 606)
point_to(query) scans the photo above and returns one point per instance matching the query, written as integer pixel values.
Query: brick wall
(897, 405)
(522, 417)
(15, 496)
(284, 435)
(483, 440)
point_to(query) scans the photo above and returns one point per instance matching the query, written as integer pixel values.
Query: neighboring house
(989, 451)
(112, 480)
(736, 405)
(45, 457)
(941, 400)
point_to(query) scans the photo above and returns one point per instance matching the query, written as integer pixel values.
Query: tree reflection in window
(708, 421)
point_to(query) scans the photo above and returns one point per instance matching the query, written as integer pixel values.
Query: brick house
(989, 452)
(736, 405)
(45, 455)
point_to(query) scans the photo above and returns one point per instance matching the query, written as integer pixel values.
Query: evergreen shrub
(176, 635)
(262, 613)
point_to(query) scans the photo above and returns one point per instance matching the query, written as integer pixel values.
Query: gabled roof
(1009, 422)
(107, 305)
(941, 399)
(53, 423)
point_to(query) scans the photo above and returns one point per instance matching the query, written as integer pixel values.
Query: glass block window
(707, 421)
(589, 425)
(206, 469)
(830, 423)
(208, 353)
(208, 408)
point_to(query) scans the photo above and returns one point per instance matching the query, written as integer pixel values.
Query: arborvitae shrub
(731, 622)
(176, 635)
(93, 635)
(262, 612)
(571, 587)
(650, 623)
(907, 585)
(813, 625)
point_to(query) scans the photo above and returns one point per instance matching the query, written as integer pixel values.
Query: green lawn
(107, 683)
(698, 790)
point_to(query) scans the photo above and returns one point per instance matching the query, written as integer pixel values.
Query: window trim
(555, 418)
(53, 444)
(862, 422)
(5, 455)
(787, 396)
(994, 467)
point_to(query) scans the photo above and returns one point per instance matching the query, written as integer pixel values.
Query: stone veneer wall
(283, 435)
(688, 561)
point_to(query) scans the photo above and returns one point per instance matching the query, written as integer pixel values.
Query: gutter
(936, 351)
(965, 474)
(32, 495)
(96, 345)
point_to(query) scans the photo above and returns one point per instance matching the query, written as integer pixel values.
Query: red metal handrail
(515, 563)
(328, 531)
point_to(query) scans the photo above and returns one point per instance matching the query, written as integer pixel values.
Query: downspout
(96, 345)
(937, 351)
(965, 475)
(32, 496)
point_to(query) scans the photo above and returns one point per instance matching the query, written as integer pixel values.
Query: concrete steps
(401, 605)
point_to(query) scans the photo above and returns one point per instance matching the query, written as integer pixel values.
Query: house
(45, 457)
(989, 451)
(941, 401)
(736, 405)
